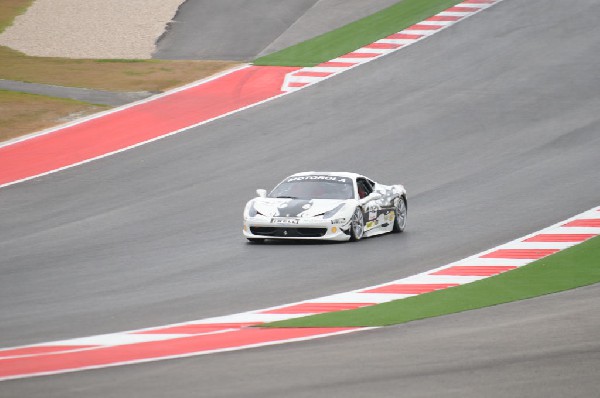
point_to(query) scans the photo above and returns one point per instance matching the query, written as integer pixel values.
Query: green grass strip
(568, 269)
(357, 34)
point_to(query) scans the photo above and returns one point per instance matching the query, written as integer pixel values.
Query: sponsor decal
(341, 180)
(372, 214)
(284, 220)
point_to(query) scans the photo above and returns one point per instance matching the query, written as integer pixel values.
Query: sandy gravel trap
(90, 28)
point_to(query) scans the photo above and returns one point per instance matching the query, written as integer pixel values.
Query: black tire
(256, 240)
(401, 210)
(357, 225)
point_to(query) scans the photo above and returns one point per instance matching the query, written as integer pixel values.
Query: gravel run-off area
(90, 28)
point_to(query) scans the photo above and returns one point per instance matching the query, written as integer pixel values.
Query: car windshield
(314, 187)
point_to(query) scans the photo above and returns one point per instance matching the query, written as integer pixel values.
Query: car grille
(289, 232)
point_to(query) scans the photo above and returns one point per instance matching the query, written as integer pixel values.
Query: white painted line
(353, 60)
(577, 230)
(420, 32)
(397, 41)
(478, 6)
(380, 51)
(358, 297)
(250, 317)
(114, 339)
(476, 261)
(454, 14)
(542, 245)
(327, 69)
(305, 79)
(437, 23)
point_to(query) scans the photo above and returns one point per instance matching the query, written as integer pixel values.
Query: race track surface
(242, 30)
(492, 125)
(103, 97)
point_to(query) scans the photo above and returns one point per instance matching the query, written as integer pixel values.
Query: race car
(325, 206)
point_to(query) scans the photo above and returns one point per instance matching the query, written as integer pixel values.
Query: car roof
(344, 174)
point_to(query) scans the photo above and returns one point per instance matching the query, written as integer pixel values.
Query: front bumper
(306, 229)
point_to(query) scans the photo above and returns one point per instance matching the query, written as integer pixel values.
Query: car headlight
(252, 212)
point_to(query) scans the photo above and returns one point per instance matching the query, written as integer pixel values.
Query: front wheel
(357, 225)
(401, 212)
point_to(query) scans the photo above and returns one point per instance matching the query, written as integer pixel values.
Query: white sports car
(325, 206)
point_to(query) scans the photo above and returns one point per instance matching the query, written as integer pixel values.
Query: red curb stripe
(410, 288)
(462, 9)
(154, 350)
(47, 349)
(315, 308)
(383, 46)
(313, 74)
(197, 328)
(140, 123)
(296, 84)
(360, 55)
(483, 270)
(444, 18)
(591, 222)
(521, 253)
(337, 64)
(404, 36)
(560, 238)
(425, 27)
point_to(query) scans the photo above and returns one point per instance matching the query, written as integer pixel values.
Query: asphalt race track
(492, 125)
(241, 30)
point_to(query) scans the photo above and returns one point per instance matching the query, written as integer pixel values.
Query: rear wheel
(401, 212)
(357, 225)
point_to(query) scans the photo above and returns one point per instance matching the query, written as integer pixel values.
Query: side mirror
(262, 193)
(375, 196)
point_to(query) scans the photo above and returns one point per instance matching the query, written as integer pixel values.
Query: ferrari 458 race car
(325, 206)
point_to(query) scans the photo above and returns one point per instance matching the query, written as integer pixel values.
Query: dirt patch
(112, 75)
(24, 113)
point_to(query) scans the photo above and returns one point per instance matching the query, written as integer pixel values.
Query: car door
(373, 208)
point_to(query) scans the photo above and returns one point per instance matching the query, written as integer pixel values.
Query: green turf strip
(568, 269)
(357, 34)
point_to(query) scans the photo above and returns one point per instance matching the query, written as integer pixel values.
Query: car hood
(279, 207)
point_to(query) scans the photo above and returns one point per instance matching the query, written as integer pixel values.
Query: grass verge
(22, 113)
(9, 9)
(571, 268)
(357, 34)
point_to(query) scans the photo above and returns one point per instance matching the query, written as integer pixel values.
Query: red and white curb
(235, 332)
(315, 74)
